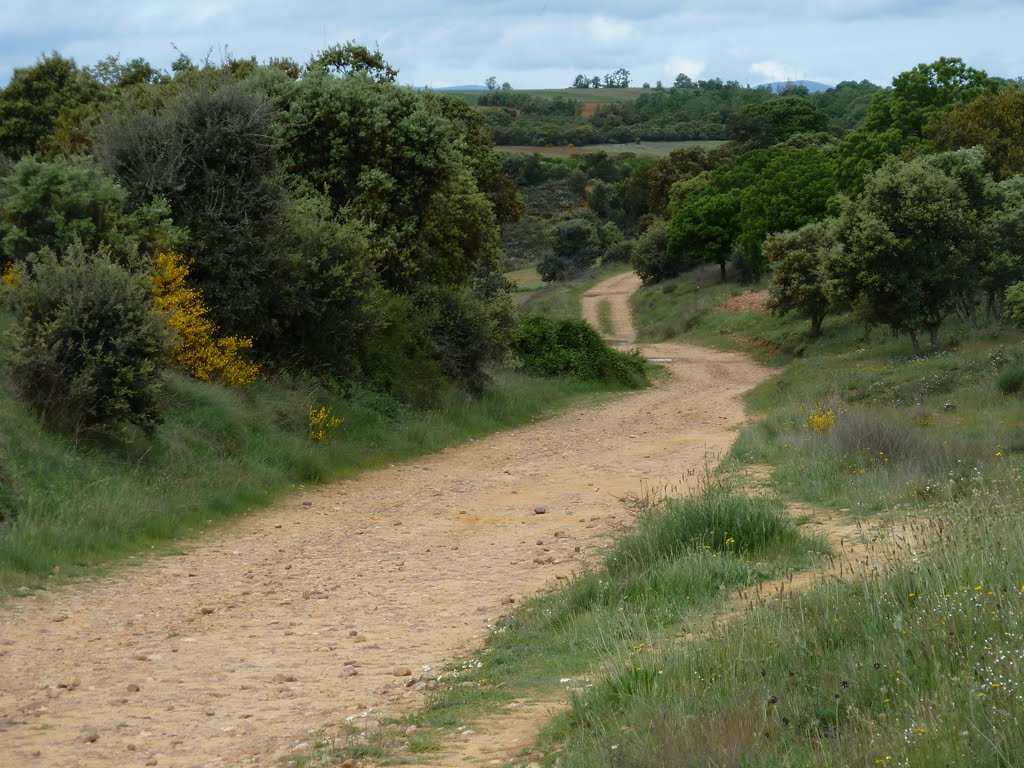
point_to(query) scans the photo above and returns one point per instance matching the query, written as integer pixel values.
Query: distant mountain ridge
(810, 85)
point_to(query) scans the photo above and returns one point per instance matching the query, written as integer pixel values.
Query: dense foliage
(573, 348)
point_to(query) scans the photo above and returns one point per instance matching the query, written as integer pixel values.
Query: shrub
(1015, 303)
(195, 347)
(620, 253)
(86, 346)
(1011, 379)
(651, 258)
(575, 245)
(574, 348)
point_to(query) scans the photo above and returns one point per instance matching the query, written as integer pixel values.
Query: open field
(646, 148)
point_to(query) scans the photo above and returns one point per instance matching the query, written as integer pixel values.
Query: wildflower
(11, 275)
(196, 348)
(322, 423)
(820, 421)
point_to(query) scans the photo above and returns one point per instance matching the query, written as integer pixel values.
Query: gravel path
(309, 613)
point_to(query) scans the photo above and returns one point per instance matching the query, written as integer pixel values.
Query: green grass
(220, 453)
(562, 300)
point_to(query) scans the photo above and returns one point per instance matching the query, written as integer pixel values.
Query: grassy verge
(604, 318)
(562, 300)
(919, 667)
(681, 557)
(77, 506)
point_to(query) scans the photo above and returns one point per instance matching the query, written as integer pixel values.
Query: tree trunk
(816, 321)
(721, 266)
(915, 342)
(933, 337)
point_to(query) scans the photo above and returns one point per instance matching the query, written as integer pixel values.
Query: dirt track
(234, 652)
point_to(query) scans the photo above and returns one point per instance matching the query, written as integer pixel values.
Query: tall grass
(920, 668)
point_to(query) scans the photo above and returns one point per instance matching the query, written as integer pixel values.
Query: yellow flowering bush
(10, 276)
(322, 423)
(820, 421)
(196, 348)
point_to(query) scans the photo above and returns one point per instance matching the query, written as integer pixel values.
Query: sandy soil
(235, 651)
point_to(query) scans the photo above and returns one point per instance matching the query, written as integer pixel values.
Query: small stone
(349, 671)
(133, 688)
(539, 510)
(401, 671)
(307, 503)
(431, 685)
(209, 712)
(130, 747)
(89, 735)
(151, 761)
(353, 632)
(467, 733)
(358, 639)
(561, 535)
(60, 617)
(280, 678)
(507, 600)
(350, 663)
(534, 765)
(411, 730)
(540, 542)
(206, 611)
(350, 763)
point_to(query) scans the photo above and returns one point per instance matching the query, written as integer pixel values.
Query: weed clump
(573, 348)
(1010, 380)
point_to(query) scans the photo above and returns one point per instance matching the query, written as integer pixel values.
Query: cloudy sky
(539, 43)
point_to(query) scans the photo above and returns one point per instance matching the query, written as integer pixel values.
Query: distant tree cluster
(617, 79)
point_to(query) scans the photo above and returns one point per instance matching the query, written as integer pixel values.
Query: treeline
(915, 216)
(688, 111)
(240, 217)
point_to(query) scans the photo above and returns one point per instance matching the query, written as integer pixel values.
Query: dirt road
(235, 651)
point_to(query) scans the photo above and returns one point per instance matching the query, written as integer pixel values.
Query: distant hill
(810, 85)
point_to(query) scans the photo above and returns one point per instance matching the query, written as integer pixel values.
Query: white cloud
(693, 68)
(775, 72)
(607, 31)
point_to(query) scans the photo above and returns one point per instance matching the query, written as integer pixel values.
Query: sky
(538, 43)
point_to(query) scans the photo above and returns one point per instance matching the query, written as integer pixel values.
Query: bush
(650, 256)
(1015, 303)
(1011, 379)
(575, 244)
(86, 346)
(573, 348)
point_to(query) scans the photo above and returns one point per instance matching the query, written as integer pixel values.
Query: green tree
(32, 103)
(906, 249)
(575, 245)
(581, 81)
(491, 83)
(352, 58)
(53, 205)
(793, 189)
(797, 283)
(650, 255)
(209, 151)
(994, 121)
(769, 122)
(925, 92)
(391, 158)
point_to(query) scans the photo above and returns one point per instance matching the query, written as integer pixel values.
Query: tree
(575, 245)
(54, 205)
(921, 94)
(35, 98)
(617, 79)
(581, 81)
(994, 121)
(797, 283)
(595, 82)
(650, 256)
(506, 86)
(352, 58)
(906, 249)
(209, 152)
(769, 122)
(491, 83)
(793, 189)
(682, 81)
